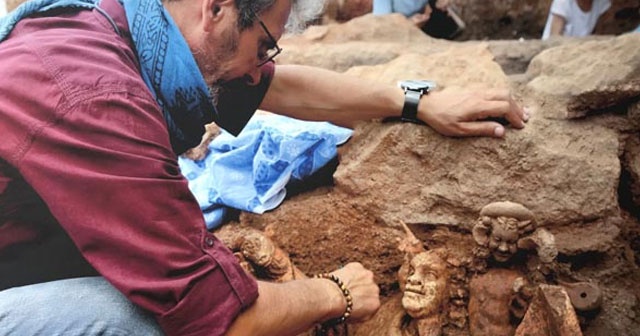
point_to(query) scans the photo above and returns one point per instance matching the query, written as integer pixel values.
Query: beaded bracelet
(345, 293)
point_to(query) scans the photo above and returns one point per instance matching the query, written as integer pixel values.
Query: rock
(596, 236)
(577, 79)
(514, 56)
(338, 57)
(634, 115)
(379, 28)
(467, 66)
(563, 172)
(339, 46)
(344, 10)
(631, 161)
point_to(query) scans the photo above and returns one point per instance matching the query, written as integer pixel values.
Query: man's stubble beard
(214, 56)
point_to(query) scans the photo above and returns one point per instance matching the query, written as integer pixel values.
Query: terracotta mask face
(426, 285)
(504, 238)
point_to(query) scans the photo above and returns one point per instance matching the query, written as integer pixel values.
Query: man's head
(426, 284)
(230, 39)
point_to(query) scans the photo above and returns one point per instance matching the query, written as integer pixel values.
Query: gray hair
(302, 12)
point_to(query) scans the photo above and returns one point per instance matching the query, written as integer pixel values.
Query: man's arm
(557, 25)
(316, 94)
(421, 18)
(292, 307)
(381, 7)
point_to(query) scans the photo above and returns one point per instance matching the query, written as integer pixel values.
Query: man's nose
(253, 78)
(503, 247)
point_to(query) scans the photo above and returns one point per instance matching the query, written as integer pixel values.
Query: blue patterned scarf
(168, 66)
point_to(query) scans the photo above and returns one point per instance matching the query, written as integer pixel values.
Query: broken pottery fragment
(550, 313)
(584, 296)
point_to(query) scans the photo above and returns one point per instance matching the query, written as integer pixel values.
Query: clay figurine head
(426, 284)
(500, 226)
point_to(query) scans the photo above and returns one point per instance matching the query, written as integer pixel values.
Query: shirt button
(209, 241)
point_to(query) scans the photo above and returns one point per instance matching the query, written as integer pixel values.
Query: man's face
(426, 285)
(227, 55)
(214, 56)
(504, 238)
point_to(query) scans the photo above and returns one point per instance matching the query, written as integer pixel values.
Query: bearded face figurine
(426, 285)
(426, 290)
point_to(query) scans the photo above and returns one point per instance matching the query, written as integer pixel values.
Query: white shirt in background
(3, 8)
(578, 23)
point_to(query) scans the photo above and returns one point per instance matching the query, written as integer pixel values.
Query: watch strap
(410, 107)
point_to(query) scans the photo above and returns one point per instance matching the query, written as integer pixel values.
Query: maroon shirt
(86, 166)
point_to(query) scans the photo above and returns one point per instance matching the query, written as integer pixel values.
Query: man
(434, 17)
(575, 18)
(98, 101)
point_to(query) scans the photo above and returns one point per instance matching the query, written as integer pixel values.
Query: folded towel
(249, 172)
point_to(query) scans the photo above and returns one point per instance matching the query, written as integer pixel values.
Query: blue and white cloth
(250, 172)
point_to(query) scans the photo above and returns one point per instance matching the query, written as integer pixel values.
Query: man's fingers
(515, 118)
(482, 128)
(501, 108)
(493, 108)
(505, 96)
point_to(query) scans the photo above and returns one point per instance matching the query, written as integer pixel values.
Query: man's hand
(364, 291)
(459, 112)
(442, 4)
(291, 307)
(420, 19)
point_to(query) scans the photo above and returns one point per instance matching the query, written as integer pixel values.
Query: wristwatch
(413, 91)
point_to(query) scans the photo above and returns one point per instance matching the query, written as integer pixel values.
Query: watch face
(417, 85)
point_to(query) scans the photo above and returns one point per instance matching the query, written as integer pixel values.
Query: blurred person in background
(436, 18)
(3, 8)
(575, 18)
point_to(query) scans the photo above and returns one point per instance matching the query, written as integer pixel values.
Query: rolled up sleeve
(104, 167)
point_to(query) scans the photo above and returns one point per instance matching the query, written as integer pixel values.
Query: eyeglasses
(273, 51)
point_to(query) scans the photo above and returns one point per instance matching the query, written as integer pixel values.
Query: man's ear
(214, 11)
